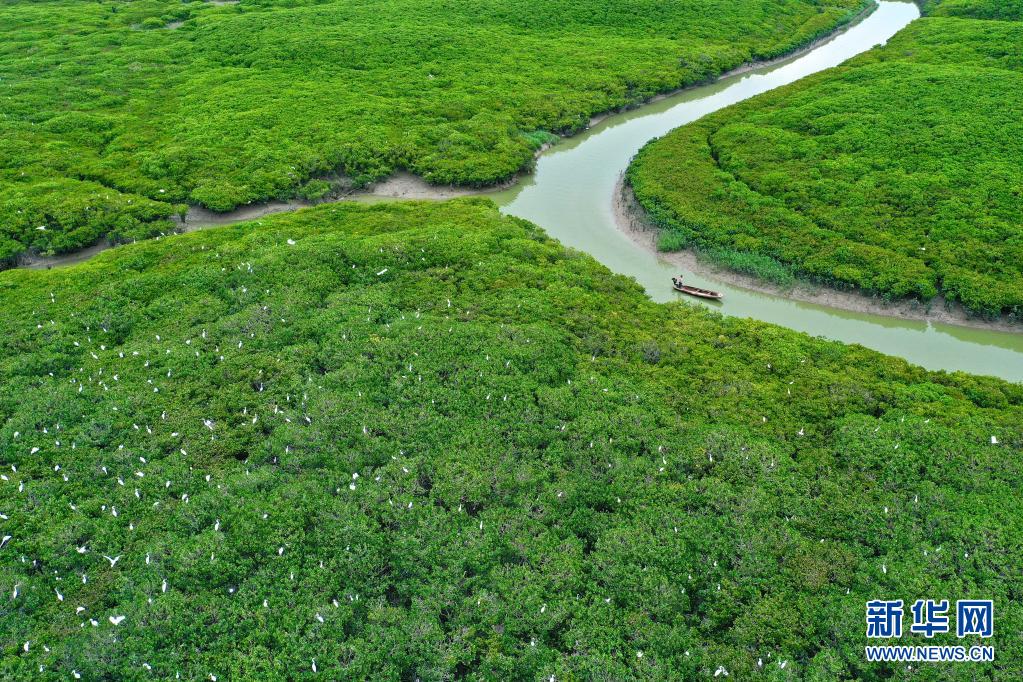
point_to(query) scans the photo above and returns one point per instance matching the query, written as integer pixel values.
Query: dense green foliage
(898, 173)
(111, 109)
(978, 9)
(556, 476)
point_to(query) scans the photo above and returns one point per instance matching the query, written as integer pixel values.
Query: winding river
(573, 190)
(571, 195)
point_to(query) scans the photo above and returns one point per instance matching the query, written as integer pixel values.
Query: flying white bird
(116, 620)
(113, 561)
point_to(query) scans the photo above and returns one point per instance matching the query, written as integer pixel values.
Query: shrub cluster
(247, 102)
(423, 441)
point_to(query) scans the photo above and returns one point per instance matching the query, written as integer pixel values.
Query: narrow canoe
(698, 292)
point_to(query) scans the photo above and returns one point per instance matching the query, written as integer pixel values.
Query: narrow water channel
(572, 191)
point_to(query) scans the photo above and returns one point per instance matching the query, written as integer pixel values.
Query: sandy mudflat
(404, 185)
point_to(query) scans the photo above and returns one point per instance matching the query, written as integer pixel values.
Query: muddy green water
(571, 196)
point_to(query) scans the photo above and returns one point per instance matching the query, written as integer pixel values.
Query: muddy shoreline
(632, 221)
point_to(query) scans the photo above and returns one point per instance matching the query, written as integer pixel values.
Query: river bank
(633, 222)
(749, 66)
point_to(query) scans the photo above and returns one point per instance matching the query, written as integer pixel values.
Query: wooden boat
(676, 282)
